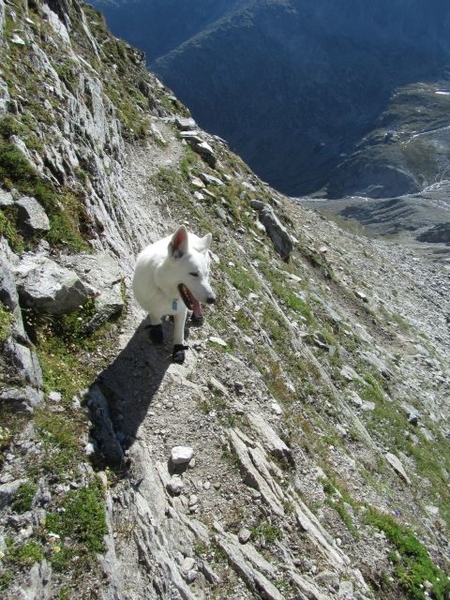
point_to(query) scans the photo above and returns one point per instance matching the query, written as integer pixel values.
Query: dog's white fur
(181, 258)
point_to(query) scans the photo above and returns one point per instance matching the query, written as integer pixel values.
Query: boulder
(6, 199)
(102, 273)
(49, 287)
(439, 234)
(32, 216)
(274, 229)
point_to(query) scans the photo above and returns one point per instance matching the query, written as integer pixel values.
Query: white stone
(217, 340)
(181, 454)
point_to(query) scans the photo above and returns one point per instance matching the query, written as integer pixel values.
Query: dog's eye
(194, 274)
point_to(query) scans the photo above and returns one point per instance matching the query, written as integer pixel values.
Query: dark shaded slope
(293, 85)
(159, 26)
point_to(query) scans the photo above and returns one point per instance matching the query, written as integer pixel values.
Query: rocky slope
(312, 411)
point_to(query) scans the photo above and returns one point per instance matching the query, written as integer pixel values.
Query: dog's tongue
(197, 309)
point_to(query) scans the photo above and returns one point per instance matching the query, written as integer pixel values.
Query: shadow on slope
(118, 400)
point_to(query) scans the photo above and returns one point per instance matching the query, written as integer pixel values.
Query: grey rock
(270, 439)
(8, 290)
(244, 535)
(188, 565)
(175, 486)
(4, 94)
(379, 364)
(349, 373)
(255, 579)
(24, 398)
(439, 234)
(210, 575)
(8, 492)
(32, 215)
(185, 123)
(104, 276)
(275, 230)
(39, 582)
(397, 465)
(210, 179)
(6, 198)
(329, 579)
(207, 153)
(25, 360)
(49, 287)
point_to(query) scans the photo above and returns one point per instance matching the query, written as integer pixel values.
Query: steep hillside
(313, 405)
(159, 26)
(294, 86)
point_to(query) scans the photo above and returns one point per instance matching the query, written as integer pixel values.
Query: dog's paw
(156, 333)
(178, 354)
(197, 320)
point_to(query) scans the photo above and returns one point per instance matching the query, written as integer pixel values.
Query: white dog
(170, 277)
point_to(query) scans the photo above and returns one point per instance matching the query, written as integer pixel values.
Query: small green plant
(24, 554)
(23, 499)
(267, 531)
(5, 322)
(80, 522)
(9, 228)
(15, 169)
(413, 565)
(60, 440)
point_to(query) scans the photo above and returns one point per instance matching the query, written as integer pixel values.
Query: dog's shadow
(119, 399)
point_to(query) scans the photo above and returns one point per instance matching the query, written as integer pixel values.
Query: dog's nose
(210, 299)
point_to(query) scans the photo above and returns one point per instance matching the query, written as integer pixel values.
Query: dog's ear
(179, 243)
(204, 243)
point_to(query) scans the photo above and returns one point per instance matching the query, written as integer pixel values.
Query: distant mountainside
(296, 85)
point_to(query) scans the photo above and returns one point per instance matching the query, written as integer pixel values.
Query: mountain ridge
(296, 85)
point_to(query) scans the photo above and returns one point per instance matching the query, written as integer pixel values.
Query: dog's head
(191, 254)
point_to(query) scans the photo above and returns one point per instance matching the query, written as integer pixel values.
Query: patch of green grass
(171, 183)
(267, 531)
(68, 353)
(5, 322)
(295, 303)
(66, 211)
(9, 228)
(23, 555)
(64, 369)
(371, 390)
(414, 566)
(15, 168)
(241, 278)
(80, 522)
(23, 499)
(60, 442)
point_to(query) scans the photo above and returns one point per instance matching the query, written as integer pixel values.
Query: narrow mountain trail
(191, 531)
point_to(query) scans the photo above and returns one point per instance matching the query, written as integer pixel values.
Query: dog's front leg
(156, 330)
(179, 321)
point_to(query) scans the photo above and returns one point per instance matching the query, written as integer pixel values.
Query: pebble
(244, 535)
(175, 486)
